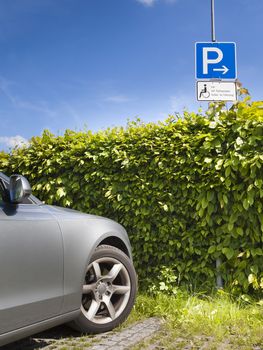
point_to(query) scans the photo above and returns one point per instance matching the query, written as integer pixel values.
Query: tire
(109, 291)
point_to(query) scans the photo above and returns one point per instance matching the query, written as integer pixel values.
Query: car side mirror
(19, 188)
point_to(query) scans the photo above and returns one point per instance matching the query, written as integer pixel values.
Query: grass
(201, 322)
(191, 322)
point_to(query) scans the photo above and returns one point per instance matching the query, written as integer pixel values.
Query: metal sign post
(216, 74)
(213, 21)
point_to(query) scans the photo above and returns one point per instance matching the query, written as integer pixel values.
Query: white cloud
(147, 2)
(150, 3)
(117, 99)
(13, 141)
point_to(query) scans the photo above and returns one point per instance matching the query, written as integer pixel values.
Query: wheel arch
(117, 243)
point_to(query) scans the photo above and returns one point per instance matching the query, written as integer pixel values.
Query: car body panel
(31, 254)
(37, 327)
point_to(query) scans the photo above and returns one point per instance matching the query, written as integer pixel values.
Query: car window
(1, 192)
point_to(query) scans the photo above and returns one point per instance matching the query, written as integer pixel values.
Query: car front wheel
(108, 292)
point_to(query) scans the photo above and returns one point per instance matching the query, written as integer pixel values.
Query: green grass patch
(198, 321)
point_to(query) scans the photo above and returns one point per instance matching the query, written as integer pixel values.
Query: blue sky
(96, 63)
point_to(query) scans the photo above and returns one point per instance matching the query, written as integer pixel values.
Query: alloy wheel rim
(106, 290)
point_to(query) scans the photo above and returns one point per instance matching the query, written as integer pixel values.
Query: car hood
(71, 213)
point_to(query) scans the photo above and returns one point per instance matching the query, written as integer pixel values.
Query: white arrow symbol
(224, 69)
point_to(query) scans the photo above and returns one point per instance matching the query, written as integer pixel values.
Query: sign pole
(219, 281)
(213, 21)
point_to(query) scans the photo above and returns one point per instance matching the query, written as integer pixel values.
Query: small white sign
(216, 91)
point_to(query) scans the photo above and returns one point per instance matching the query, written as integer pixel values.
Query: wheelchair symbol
(204, 93)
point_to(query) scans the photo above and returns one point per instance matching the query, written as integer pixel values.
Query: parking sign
(215, 60)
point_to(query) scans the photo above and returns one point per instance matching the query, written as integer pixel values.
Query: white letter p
(207, 61)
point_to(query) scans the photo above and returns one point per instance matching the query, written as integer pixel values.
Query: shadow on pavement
(41, 340)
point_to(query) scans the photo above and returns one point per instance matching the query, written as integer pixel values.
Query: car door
(31, 265)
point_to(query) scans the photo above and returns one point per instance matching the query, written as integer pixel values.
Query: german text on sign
(216, 91)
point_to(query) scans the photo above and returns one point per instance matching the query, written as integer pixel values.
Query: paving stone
(62, 337)
(132, 335)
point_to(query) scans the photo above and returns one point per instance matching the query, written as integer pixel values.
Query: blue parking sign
(215, 60)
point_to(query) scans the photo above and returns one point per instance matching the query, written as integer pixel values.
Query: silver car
(58, 265)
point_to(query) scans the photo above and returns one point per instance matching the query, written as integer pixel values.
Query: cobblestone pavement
(63, 338)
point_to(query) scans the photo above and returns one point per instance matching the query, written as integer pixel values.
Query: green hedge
(188, 191)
